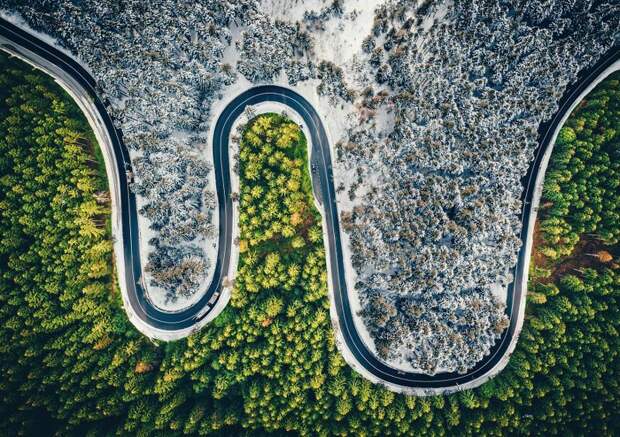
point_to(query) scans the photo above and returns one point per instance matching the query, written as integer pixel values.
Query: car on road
(213, 298)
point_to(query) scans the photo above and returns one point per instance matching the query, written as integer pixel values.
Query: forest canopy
(72, 364)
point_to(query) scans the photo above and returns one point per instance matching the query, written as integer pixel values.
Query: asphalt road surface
(323, 187)
(141, 305)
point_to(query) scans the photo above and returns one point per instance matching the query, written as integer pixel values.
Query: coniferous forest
(71, 363)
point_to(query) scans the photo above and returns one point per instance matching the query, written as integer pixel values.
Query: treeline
(581, 198)
(575, 276)
(71, 364)
(64, 339)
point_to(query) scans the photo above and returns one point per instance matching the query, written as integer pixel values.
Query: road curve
(149, 319)
(354, 350)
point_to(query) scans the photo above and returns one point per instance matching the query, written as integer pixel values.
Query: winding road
(17, 41)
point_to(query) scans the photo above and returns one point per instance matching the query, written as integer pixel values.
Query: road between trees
(149, 319)
(166, 325)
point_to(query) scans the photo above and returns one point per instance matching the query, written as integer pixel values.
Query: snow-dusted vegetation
(159, 64)
(468, 86)
(268, 47)
(442, 101)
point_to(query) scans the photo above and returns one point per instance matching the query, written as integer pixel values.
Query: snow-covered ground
(157, 295)
(292, 10)
(341, 38)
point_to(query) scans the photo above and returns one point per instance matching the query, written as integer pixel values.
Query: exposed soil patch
(589, 252)
(538, 258)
